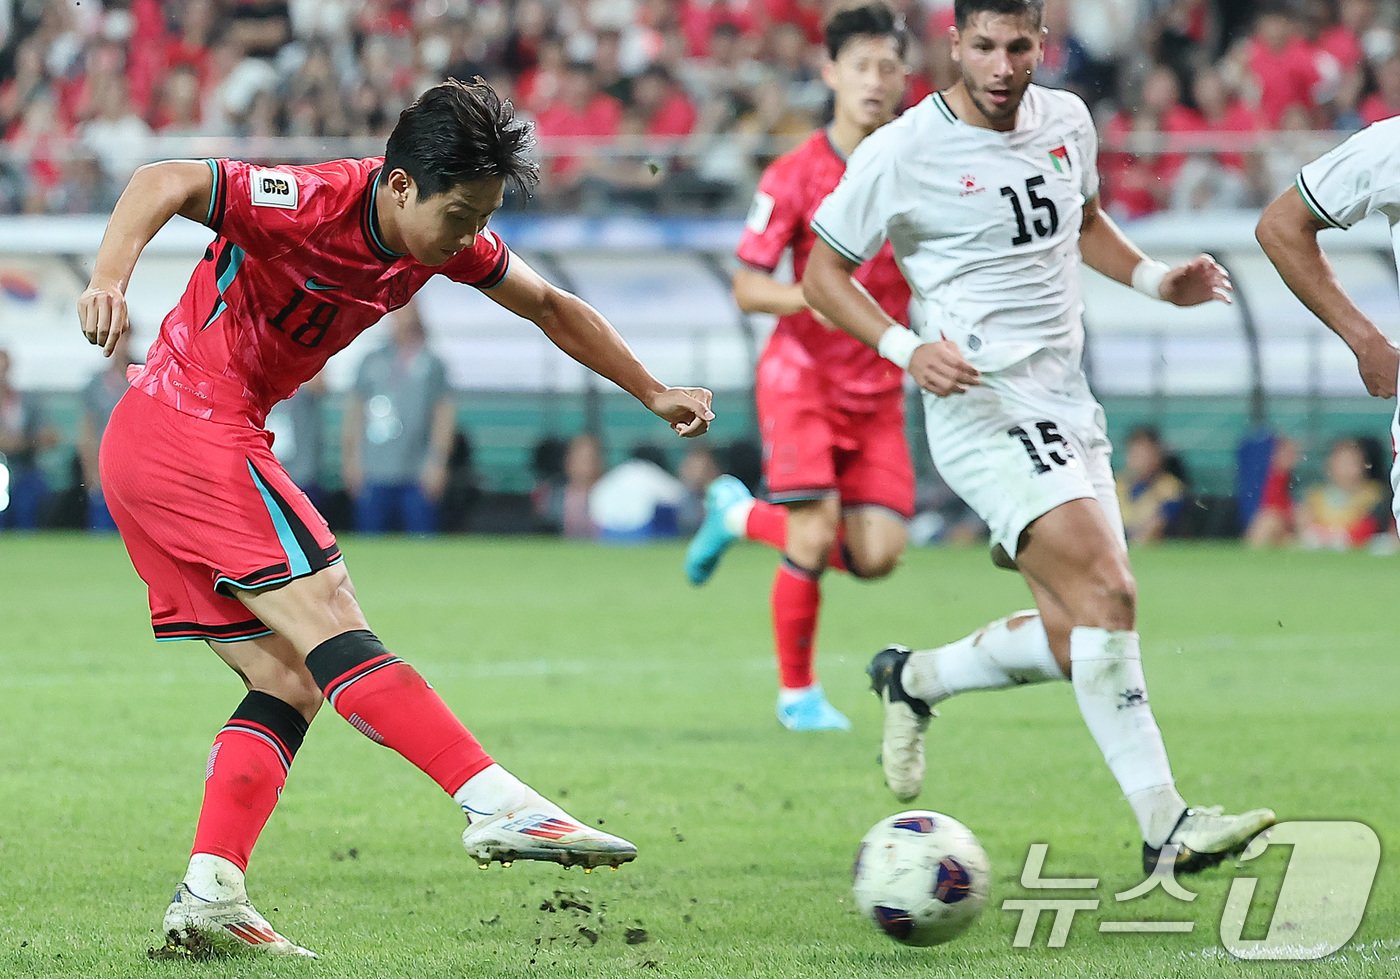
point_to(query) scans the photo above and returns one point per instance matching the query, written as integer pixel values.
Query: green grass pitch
(599, 676)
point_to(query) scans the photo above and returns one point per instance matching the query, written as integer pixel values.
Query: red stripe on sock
(767, 524)
(412, 719)
(796, 600)
(235, 724)
(350, 674)
(245, 779)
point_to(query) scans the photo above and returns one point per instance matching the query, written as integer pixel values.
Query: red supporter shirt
(297, 271)
(1239, 119)
(1343, 45)
(1374, 108)
(600, 118)
(1286, 77)
(674, 117)
(788, 195)
(1176, 121)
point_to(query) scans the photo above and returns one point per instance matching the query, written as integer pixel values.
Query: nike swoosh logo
(315, 286)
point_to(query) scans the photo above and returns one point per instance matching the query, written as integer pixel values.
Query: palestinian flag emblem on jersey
(1060, 157)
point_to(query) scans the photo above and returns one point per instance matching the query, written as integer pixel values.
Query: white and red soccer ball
(921, 876)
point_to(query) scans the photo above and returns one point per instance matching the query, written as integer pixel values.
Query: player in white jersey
(988, 193)
(1358, 178)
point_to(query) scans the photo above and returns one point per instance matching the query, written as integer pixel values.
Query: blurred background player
(989, 193)
(1151, 490)
(831, 410)
(23, 435)
(100, 396)
(298, 426)
(1356, 179)
(1348, 508)
(233, 553)
(397, 432)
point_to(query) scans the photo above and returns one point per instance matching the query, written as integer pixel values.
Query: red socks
(388, 702)
(796, 599)
(768, 524)
(248, 766)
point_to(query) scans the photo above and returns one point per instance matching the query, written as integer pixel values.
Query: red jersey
(1285, 77)
(298, 270)
(788, 195)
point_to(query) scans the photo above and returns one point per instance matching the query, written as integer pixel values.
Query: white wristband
(897, 345)
(1148, 276)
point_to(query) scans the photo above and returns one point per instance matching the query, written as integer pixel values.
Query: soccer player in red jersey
(233, 553)
(836, 461)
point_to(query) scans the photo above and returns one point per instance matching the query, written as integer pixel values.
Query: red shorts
(204, 508)
(813, 449)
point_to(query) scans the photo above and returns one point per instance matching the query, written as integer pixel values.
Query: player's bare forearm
(1287, 232)
(1107, 250)
(829, 290)
(155, 194)
(584, 334)
(351, 431)
(937, 366)
(1104, 246)
(434, 475)
(759, 292)
(87, 452)
(444, 424)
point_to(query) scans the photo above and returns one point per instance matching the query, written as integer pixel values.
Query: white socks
(996, 656)
(736, 518)
(489, 791)
(1112, 695)
(214, 878)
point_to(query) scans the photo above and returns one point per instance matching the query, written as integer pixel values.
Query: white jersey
(984, 224)
(1357, 178)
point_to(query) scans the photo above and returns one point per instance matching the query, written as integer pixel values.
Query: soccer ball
(921, 876)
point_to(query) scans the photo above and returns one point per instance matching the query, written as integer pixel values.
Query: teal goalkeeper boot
(810, 711)
(713, 538)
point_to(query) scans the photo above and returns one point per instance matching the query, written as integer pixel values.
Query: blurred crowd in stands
(657, 104)
(405, 460)
(1346, 505)
(406, 464)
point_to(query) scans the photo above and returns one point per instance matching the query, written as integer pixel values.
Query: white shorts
(1026, 440)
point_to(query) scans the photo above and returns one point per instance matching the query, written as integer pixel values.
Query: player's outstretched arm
(832, 293)
(758, 292)
(585, 335)
(1287, 231)
(1107, 250)
(155, 194)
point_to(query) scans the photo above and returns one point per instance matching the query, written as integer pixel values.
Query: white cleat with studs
(537, 829)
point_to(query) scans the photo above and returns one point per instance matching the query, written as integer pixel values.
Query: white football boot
(537, 829)
(191, 922)
(1204, 837)
(906, 720)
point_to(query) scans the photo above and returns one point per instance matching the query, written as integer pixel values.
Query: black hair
(1375, 458)
(1147, 433)
(458, 132)
(963, 10)
(867, 20)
